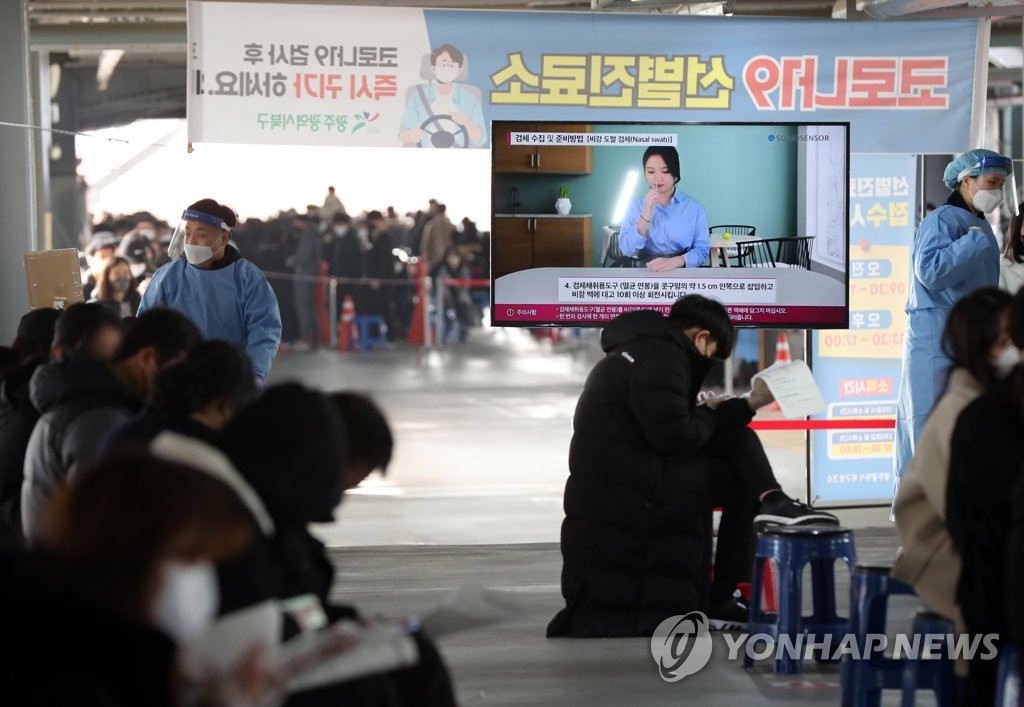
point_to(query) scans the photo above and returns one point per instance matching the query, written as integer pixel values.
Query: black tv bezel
(811, 326)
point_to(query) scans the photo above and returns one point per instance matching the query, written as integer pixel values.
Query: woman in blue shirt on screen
(665, 228)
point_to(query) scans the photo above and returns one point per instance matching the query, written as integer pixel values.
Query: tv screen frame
(775, 133)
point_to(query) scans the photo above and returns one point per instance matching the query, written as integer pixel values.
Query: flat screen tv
(585, 228)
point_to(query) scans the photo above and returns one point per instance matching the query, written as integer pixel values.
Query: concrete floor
(473, 497)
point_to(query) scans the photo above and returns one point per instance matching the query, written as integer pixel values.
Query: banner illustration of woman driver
(443, 113)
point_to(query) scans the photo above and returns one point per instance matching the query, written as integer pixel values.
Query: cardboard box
(54, 278)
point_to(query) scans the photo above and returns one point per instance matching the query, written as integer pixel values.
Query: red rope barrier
(823, 424)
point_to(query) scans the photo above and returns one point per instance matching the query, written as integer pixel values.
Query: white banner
(302, 75)
(647, 290)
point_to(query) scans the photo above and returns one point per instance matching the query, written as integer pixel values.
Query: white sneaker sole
(799, 520)
(726, 625)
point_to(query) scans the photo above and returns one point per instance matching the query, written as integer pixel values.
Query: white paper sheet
(794, 388)
(228, 641)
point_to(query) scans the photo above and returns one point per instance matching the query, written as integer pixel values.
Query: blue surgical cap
(975, 162)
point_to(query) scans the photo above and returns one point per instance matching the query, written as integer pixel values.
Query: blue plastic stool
(934, 671)
(370, 331)
(863, 680)
(792, 547)
(1008, 681)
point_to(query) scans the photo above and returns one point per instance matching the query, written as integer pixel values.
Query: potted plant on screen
(562, 204)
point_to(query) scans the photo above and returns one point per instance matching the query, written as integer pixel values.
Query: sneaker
(731, 615)
(780, 509)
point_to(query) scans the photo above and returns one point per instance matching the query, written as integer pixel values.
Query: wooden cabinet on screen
(540, 241)
(543, 159)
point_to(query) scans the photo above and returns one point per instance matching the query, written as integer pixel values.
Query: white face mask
(1006, 361)
(198, 254)
(988, 200)
(447, 74)
(187, 603)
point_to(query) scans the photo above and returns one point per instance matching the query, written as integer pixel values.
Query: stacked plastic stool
(1008, 685)
(791, 548)
(864, 678)
(930, 670)
(370, 331)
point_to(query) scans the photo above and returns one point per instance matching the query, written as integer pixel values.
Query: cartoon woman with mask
(955, 253)
(443, 113)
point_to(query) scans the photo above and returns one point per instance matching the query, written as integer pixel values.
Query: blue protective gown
(949, 262)
(234, 303)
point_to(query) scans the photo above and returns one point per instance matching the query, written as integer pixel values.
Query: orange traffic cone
(348, 316)
(782, 355)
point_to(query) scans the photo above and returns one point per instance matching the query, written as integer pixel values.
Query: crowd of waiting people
(374, 255)
(147, 487)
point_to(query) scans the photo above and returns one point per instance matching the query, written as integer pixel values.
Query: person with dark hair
(665, 228)
(332, 206)
(88, 327)
(647, 464)
(978, 344)
(95, 618)
(984, 469)
(116, 288)
(194, 397)
(305, 262)
(101, 248)
(17, 413)
(225, 295)
(294, 446)
(1011, 265)
(455, 297)
(444, 113)
(81, 399)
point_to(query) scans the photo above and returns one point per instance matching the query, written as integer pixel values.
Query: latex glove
(759, 395)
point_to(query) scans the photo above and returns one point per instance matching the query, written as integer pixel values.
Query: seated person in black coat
(647, 465)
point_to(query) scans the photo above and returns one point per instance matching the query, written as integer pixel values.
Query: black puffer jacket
(17, 418)
(81, 401)
(636, 540)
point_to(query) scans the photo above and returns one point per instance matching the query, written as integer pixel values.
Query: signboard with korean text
(858, 370)
(264, 73)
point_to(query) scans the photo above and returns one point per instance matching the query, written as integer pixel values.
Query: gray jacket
(81, 401)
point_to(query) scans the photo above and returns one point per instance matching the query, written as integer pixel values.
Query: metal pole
(439, 313)
(729, 373)
(426, 290)
(332, 307)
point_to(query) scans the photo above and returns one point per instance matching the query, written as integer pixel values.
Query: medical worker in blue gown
(955, 253)
(225, 295)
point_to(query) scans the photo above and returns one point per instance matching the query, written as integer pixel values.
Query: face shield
(177, 244)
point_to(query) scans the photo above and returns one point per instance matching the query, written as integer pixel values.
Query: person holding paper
(647, 466)
(955, 253)
(665, 228)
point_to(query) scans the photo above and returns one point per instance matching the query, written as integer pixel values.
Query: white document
(223, 646)
(794, 388)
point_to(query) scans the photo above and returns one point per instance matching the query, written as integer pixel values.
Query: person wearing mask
(81, 399)
(306, 433)
(1011, 264)
(95, 618)
(647, 465)
(306, 266)
(443, 113)
(977, 341)
(455, 297)
(665, 228)
(116, 288)
(194, 397)
(955, 252)
(17, 413)
(225, 295)
(101, 248)
(984, 469)
(346, 257)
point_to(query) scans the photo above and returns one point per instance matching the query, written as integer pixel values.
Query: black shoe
(731, 615)
(780, 509)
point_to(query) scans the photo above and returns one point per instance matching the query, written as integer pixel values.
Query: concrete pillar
(17, 185)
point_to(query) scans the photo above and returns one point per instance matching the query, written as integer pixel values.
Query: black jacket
(81, 401)
(59, 648)
(637, 532)
(17, 418)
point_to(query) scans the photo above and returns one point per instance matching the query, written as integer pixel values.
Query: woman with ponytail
(194, 397)
(224, 294)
